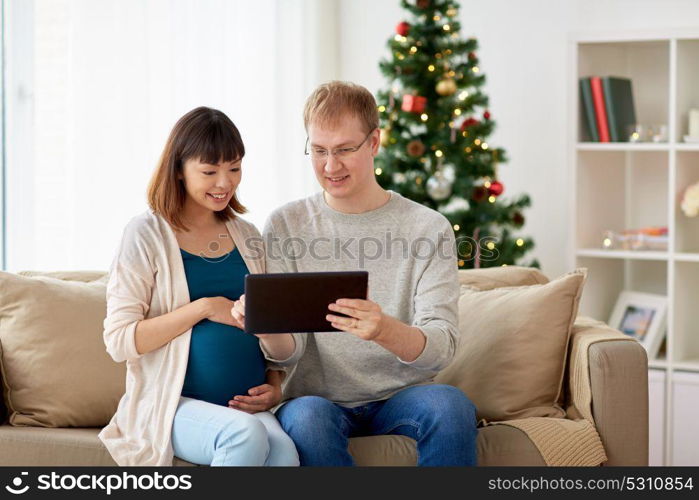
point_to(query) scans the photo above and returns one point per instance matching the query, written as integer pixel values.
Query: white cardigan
(146, 280)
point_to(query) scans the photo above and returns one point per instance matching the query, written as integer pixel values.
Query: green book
(588, 108)
(618, 101)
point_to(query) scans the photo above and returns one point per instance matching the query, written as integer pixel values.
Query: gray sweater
(410, 254)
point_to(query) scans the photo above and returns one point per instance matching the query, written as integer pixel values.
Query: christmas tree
(434, 130)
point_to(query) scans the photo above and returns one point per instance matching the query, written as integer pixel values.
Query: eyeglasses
(321, 154)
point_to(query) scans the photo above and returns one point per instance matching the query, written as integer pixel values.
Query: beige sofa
(617, 384)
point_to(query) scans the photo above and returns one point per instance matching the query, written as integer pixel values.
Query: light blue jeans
(208, 434)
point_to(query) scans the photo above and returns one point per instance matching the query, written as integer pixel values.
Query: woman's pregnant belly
(223, 362)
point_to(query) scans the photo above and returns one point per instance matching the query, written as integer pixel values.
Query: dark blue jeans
(440, 418)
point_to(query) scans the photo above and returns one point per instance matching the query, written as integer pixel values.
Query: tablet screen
(298, 302)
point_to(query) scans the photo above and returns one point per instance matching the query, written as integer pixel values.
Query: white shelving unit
(631, 185)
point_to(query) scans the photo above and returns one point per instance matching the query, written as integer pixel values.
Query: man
(374, 377)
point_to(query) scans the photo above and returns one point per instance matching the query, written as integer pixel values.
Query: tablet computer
(298, 302)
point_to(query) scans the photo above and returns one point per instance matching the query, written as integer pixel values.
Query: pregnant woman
(197, 386)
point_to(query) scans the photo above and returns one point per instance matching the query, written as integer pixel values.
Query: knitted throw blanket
(572, 441)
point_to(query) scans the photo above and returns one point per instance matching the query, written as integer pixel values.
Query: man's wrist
(275, 377)
(384, 330)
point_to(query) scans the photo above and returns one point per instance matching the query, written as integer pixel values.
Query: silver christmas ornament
(438, 186)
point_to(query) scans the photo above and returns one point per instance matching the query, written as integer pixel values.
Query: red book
(600, 108)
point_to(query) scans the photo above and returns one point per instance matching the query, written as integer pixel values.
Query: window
(93, 89)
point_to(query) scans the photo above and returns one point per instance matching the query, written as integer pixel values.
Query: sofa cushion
(512, 348)
(22, 446)
(496, 277)
(84, 276)
(55, 369)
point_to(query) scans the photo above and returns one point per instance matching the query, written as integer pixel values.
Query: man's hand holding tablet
(362, 318)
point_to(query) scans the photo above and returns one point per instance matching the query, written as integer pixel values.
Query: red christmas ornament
(469, 122)
(423, 4)
(403, 28)
(413, 103)
(518, 219)
(486, 115)
(496, 188)
(472, 56)
(479, 193)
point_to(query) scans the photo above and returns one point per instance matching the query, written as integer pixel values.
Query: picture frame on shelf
(642, 316)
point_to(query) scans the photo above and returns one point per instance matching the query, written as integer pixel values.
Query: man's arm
(436, 304)
(430, 342)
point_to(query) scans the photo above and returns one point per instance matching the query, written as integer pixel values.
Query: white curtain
(94, 87)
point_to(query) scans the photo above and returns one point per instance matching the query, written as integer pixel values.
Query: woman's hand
(261, 398)
(219, 310)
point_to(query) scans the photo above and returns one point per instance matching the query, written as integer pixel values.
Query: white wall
(523, 53)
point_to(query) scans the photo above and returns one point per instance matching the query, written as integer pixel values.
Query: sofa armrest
(3, 408)
(618, 378)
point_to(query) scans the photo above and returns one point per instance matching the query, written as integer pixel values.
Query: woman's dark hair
(204, 134)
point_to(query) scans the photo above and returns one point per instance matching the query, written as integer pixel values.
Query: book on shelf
(618, 99)
(588, 109)
(608, 108)
(600, 108)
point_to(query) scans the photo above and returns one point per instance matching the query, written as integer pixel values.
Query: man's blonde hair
(331, 102)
